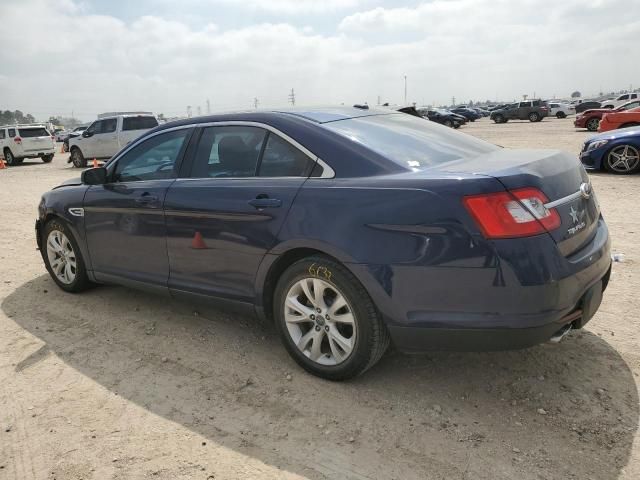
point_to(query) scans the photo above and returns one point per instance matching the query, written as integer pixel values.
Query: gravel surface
(119, 384)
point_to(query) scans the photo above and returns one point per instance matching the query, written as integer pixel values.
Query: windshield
(409, 141)
(33, 132)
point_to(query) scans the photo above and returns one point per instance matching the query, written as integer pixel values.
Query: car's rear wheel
(47, 158)
(623, 160)
(327, 321)
(62, 257)
(593, 124)
(534, 117)
(561, 115)
(499, 119)
(65, 146)
(448, 123)
(77, 158)
(9, 158)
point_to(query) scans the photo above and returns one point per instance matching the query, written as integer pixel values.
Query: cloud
(73, 60)
(289, 7)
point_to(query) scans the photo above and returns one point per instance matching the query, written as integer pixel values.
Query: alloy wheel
(623, 159)
(320, 321)
(62, 258)
(593, 124)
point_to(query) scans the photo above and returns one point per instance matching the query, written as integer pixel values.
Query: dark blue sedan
(349, 228)
(617, 151)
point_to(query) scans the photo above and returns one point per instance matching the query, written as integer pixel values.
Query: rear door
(35, 140)
(524, 110)
(227, 214)
(124, 221)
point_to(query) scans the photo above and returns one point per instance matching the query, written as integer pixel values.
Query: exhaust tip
(560, 334)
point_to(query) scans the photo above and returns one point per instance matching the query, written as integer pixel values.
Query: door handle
(263, 201)
(147, 199)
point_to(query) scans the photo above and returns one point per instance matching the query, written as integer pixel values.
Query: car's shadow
(554, 411)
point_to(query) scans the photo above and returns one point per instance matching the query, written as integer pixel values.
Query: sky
(91, 56)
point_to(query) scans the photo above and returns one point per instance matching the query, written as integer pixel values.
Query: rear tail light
(512, 214)
(17, 140)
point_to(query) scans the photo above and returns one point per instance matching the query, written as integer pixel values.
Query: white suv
(561, 110)
(18, 142)
(616, 102)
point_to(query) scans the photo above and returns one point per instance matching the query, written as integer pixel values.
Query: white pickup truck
(107, 136)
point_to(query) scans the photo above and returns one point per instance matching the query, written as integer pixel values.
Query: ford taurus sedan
(349, 228)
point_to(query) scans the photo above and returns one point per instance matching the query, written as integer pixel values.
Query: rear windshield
(409, 141)
(139, 123)
(33, 132)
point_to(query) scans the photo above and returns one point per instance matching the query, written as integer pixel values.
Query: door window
(153, 159)
(281, 159)
(228, 152)
(12, 132)
(525, 104)
(2, 134)
(109, 125)
(623, 97)
(95, 127)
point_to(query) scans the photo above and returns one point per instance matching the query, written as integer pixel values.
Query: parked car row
(625, 115)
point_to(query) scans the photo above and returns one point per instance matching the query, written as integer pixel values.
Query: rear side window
(525, 104)
(2, 134)
(228, 152)
(281, 159)
(12, 132)
(410, 141)
(139, 123)
(33, 132)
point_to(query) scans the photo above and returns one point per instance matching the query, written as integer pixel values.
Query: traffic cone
(95, 163)
(197, 242)
(2, 165)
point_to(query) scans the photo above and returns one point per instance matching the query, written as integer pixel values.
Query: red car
(614, 120)
(590, 119)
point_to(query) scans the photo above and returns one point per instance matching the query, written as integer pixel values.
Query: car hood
(619, 133)
(69, 183)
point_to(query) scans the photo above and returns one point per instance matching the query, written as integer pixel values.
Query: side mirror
(87, 134)
(94, 176)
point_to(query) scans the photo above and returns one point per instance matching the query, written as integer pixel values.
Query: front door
(124, 221)
(224, 218)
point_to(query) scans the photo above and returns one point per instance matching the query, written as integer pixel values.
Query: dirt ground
(118, 384)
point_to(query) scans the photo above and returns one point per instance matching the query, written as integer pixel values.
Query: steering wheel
(165, 166)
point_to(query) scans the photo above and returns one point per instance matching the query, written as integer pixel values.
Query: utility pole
(292, 97)
(189, 113)
(255, 103)
(405, 89)
(378, 99)
(208, 107)
(453, 101)
(199, 111)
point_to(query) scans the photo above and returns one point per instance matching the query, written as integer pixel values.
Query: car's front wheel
(77, 158)
(593, 124)
(499, 119)
(9, 158)
(327, 321)
(62, 257)
(623, 159)
(448, 123)
(561, 115)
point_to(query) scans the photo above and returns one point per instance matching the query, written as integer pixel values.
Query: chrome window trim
(327, 171)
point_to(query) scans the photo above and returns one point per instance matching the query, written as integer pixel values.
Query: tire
(9, 158)
(77, 158)
(359, 326)
(448, 123)
(561, 115)
(65, 147)
(534, 117)
(47, 158)
(499, 119)
(622, 160)
(593, 124)
(60, 247)
(631, 124)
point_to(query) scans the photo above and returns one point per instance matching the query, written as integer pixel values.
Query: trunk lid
(557, 174)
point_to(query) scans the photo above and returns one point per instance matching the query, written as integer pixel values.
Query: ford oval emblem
(585, 189)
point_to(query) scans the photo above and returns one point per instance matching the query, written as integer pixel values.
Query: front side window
(231, 151)
(630, 105)
(95, 127)
(281, 159)
(109, 125)
(153, 159)
(624, 97)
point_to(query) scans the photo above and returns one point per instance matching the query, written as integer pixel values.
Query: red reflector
(518, 213)
(17, 139)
